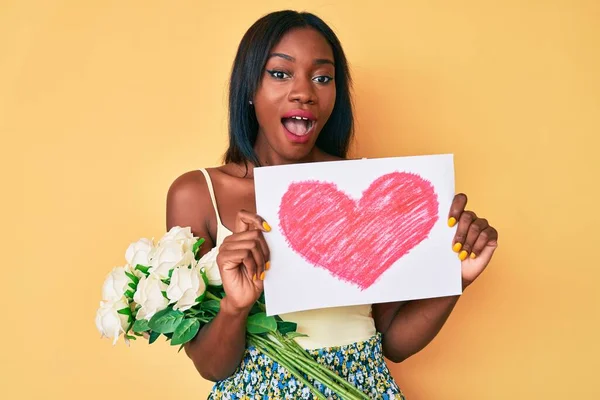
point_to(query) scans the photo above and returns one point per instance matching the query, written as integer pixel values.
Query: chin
(298, 154)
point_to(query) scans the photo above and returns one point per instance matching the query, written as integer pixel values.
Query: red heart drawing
(358, 240)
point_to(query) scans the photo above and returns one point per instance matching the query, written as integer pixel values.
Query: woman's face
(295, 97)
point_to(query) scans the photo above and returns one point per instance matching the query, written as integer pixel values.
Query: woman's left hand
(475, 240)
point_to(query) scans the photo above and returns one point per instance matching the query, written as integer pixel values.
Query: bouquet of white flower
(167, 289)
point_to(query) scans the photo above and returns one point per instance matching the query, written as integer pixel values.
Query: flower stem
(298, 375)
(326, 373)
(320, 374)
(300, 351)
(315, 370)
(320, 377)
(287, 352)
(212, 296)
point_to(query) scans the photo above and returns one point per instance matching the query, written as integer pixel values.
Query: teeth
(300, 118)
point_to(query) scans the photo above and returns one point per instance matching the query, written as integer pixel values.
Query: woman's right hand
(243, 259)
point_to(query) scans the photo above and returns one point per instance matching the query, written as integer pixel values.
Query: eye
(323, 79)
(278, 74)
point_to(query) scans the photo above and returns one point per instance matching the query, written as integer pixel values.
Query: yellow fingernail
(267, 265)
(262, 276)
(254, 277)
(457, 246)
(473, 255)
(463, 255)
(451, 222)
(266, 226)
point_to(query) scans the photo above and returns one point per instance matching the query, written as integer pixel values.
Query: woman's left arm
(407, 327)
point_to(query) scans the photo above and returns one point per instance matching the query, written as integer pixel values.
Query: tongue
(295, 126)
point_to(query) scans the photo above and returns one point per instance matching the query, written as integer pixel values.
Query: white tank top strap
(212, 194)
(222, 230)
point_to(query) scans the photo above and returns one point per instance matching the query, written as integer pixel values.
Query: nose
(302, 91)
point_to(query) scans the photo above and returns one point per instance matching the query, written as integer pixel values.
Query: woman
(290, 102)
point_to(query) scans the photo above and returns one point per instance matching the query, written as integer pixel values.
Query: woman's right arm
(219, 346)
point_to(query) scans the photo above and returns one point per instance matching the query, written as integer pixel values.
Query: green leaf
(181, 347)
(256, 309)
(153, 337)
(130, 337)
(204, 277)
(133, 278)
(186, 331)
(125, 311)
(165, 321)
(197, 245)
(165, 295)
(129, 294)
(211, 305)
(200, 298)
(292, 335)
(171, 272)
(168, 335)
(141, 325)
(132, 285)
(218, 291)
(260, 323)
(286, 327)
(145, 270)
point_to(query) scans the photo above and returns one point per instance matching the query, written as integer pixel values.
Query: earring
(250, 102)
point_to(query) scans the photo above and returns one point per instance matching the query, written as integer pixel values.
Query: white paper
(308, 273)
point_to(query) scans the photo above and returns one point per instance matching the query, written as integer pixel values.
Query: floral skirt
(260, 378)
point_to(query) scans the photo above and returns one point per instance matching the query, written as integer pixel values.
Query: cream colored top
(336, 326)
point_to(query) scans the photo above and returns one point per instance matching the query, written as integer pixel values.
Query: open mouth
(298, 126)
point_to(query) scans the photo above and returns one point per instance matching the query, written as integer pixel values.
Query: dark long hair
(248, 66)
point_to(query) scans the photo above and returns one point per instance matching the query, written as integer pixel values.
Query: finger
(255, 235)
(259, 285)
(464, 222)
(246, 221)
(488, 238)
(475, 230)
(249, 245)
(260, 261)
(250, 264)
(232, 259)
(250, 240)
(456, 209)
(259, 237)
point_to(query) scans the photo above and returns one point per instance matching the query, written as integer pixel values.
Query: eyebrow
(318, 61)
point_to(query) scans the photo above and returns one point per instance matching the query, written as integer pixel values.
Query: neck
(268, 156)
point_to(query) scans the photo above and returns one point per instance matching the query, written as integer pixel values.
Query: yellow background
(104, 103)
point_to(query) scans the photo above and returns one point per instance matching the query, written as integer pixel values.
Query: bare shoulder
(188, 188)
(189, 203)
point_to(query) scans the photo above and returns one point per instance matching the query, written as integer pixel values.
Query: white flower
(208, 262)
(292, 385)
(180, 235)
(139, 253)
(116, 284)
(109, 322)
(305, 393)
(167, 256)
(150, 297)
(185, 287)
